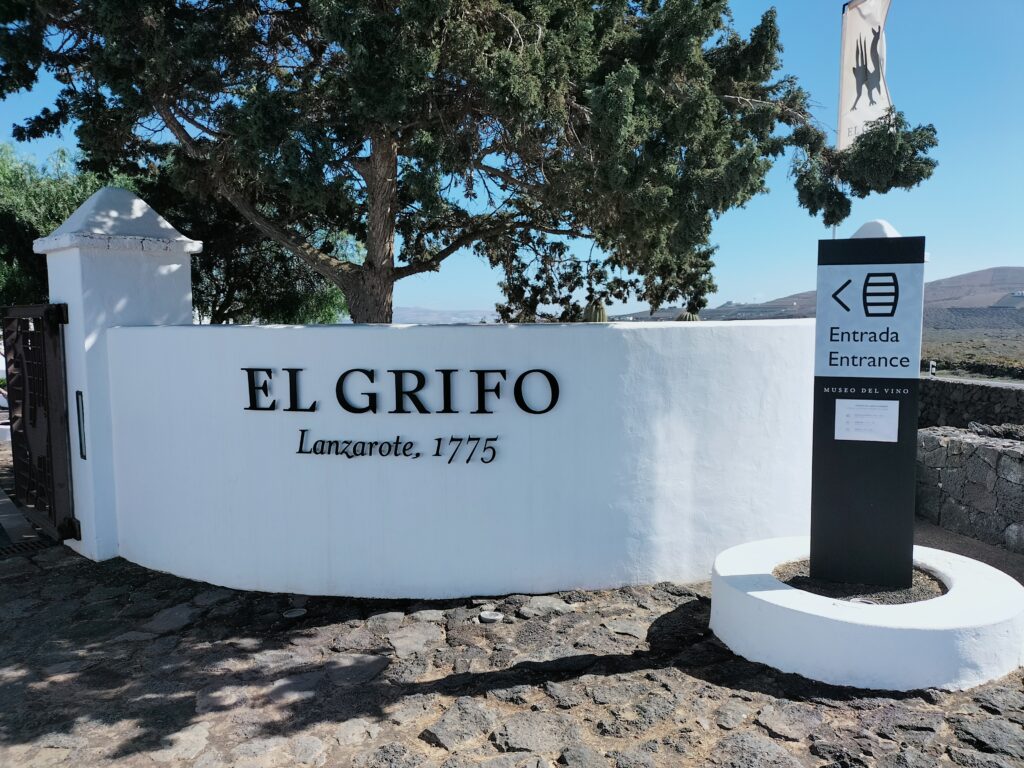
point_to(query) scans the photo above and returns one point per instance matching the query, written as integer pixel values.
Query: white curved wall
(669, 443)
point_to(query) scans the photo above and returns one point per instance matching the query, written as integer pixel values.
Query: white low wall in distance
(668, 443)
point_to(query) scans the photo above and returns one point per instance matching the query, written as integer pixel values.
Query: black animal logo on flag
(864, 77)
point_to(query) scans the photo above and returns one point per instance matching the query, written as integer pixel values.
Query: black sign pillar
(866, 379)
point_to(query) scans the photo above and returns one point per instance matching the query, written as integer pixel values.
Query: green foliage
(687, 317)
(499, 125)
(34, 201)
(596, 312)
(262, 283)
(888, 155)
(239, 276)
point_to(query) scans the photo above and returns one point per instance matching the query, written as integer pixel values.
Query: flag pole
(842, 14)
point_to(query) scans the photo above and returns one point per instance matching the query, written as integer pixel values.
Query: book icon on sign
(881, 294)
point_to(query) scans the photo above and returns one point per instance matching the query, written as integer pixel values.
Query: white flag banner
(863, 92)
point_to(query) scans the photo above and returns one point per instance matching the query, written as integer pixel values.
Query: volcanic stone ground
(112, 664)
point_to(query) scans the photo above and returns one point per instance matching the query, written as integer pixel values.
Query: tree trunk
(369, 299)
(370, 290)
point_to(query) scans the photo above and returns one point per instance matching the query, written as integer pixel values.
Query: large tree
(508, 126)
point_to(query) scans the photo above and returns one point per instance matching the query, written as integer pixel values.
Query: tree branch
(334, 270)
(469, 237)
(198, 125)
(503, 175)
(796, 115)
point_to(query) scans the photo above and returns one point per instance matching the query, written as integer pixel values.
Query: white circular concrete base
(970, 635)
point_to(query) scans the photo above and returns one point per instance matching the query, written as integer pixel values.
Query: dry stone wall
(946, 403)
(972, 485)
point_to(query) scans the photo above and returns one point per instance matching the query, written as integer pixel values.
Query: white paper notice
(876, 421)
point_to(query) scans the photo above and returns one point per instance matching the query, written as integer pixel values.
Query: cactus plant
(595, 312)
(687, 316)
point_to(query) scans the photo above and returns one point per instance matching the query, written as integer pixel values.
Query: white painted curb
(972, 634)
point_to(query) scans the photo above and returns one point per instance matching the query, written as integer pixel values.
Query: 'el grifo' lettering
(360, 390)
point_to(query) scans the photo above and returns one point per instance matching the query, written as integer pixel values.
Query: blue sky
(956, 67)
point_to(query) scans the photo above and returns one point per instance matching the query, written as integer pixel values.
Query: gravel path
(923, 586)
(112, 664)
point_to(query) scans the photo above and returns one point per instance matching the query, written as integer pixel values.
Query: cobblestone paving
(112, 664)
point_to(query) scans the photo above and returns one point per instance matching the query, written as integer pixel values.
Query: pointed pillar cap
(116, 219)
(877, 228)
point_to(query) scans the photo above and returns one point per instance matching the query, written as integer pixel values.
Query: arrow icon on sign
(839, 290)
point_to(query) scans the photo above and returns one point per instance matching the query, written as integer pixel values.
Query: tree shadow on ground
(72, 655)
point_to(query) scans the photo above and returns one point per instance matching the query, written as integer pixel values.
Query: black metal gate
(37, 397)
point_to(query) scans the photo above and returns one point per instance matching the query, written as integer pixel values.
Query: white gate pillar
(115, 261)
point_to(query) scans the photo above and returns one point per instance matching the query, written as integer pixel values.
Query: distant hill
(973, 323)
(984, 288)
(423, 316)
(983, 299)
